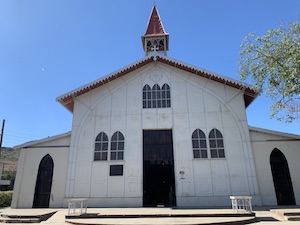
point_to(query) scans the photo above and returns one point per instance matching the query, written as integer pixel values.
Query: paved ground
(264, 216)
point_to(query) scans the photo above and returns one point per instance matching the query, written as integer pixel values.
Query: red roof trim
(68, 99)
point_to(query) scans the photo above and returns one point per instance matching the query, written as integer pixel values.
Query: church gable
(68, 99)
(172, 88)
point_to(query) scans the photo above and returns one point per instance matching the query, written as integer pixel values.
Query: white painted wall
(196, 103)
(263, 144)
(117, 106)
(27, 171)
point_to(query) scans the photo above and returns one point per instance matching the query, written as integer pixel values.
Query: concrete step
(156, 215)
(288, 214)
(293, 218)
(4, 218)
(19, 220)
(165, 221)
(291, 214)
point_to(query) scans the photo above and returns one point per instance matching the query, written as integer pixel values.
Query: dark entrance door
(43, 183)
(281, 178)
(158, 176)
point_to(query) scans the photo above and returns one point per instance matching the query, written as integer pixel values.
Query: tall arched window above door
(199, 144)
(216, 144)
(147, 97)
(101, 147)
(117, 146)
(156, 96)
(166, 96)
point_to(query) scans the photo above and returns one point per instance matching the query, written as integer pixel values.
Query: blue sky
(50, 47)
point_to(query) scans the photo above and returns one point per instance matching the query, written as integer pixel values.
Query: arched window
(117, 146)
(101, 147)
(156, 97)
(216, 144)
(166, 96)
(199, 144)
(146, 96)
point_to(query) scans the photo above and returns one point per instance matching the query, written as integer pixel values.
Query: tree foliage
(272, 61)
(10, 154)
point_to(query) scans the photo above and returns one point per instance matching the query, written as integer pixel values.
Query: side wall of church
(263, 144)
(196, 102)
(27, 172)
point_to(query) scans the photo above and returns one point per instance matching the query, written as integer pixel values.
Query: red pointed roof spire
(155, 36)
(155, 26)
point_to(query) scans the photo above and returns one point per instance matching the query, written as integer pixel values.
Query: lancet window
(216, 144)
(117, 146)
(199, 144)
(156, 97)
(101, 147)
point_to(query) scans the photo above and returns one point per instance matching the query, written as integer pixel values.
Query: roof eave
(36, 142)
(67, 99)
(273, 132)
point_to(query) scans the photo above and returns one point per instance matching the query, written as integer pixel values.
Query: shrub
(5, 198)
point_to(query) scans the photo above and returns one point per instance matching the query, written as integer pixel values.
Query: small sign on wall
(181, 173)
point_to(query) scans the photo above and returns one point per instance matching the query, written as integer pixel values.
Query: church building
(159, 132)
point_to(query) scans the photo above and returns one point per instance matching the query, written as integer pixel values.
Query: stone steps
(151, 217)
(289, 215)
(4, 218)
(165, 221)
(19, 220)
(156, 215)
(293, 218)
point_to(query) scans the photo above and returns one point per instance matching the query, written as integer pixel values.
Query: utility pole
(1, 138)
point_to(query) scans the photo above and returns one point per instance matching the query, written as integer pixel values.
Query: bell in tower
(155, 40)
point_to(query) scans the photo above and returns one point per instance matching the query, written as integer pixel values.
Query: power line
(23, 134)
(2, 132)
(11, 136)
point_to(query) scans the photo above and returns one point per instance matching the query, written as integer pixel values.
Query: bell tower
(155, 40)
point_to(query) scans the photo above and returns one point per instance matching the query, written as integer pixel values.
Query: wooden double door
(158, 168)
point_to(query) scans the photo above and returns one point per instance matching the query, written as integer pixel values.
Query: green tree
(272, 61)
(9, 154)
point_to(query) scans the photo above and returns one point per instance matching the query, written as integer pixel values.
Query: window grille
(199, 144)
(117, 146)
(101, 147)
(156, 97)
(216, 144)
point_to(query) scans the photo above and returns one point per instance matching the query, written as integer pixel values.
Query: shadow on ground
(261, 219)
